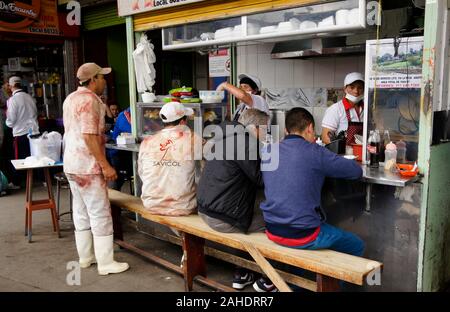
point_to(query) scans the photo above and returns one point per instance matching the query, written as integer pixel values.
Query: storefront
(104, 43)
(39, 47)
(299, 51)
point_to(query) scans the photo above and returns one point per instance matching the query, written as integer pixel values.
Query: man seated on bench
(292, 209)
(166, 164)
(229, 183)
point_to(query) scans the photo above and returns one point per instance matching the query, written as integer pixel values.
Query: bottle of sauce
(401, 152)
(390, 158)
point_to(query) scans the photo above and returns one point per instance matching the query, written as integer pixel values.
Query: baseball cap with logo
(252, 78)
(89, 70)
(352, 77)
(173, 111)
(14, 80)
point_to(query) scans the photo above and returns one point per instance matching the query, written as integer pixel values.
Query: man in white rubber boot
(88, 170)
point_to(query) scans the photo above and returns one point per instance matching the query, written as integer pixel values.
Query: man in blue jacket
(120, 160)
(292, 214)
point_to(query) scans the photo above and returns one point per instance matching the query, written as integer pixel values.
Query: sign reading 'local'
(130, 7)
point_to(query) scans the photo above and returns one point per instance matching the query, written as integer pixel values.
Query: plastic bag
(47, 145)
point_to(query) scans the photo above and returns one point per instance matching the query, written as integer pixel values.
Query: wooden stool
(39, 204)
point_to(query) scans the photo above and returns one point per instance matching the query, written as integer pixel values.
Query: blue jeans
(333, 238)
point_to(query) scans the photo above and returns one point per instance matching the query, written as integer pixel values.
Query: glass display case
(148, 121)
(199, 34)
(392, 91)
(306, 21)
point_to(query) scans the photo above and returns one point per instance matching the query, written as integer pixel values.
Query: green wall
(117, 59)
(436, 261)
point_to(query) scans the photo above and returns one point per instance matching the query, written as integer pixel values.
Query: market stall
(302, 50)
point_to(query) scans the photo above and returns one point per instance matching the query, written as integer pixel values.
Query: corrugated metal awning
(101, 17)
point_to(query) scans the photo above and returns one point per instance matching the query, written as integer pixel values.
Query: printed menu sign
(130, 7)
(395, 66)
(219, 63)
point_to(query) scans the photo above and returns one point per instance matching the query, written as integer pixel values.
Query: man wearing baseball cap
(88, 170)
(21, 116)
(347, 114)
(166, 164)
(248, 94)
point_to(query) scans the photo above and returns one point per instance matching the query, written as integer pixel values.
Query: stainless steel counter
(381, 176)
(124, 147)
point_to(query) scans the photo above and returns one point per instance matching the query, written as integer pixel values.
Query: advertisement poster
(395, 65)
(219, 63)
(29, 17)
(130, 7)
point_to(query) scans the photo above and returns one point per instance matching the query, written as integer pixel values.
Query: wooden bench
(329, 266)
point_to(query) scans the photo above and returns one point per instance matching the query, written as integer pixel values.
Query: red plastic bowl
(405, 170)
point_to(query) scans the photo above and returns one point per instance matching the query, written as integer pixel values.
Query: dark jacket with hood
(227, 188)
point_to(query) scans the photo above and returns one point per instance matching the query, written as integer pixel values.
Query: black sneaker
(264, 285)
(242, 280)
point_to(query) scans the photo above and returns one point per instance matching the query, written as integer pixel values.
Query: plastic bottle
(390, 157)
(319, 142)
(374, 149)
(401, 152)
(384, 143)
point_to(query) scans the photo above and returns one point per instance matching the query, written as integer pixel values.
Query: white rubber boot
(104, 252)
(83, 241)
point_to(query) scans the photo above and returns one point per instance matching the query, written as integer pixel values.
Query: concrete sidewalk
(41, 265)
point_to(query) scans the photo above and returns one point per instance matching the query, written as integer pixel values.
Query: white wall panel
(284, 74)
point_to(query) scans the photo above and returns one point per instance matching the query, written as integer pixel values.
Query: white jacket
(144, 57)
(21, 114)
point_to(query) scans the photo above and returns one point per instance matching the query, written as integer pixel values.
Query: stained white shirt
(84, 113)
(166, 167)
(21, 114)
(335, 117)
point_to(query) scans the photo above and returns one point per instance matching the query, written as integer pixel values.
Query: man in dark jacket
(228, 187)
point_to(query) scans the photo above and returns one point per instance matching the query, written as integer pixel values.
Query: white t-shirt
(335, 117)
(258, 103)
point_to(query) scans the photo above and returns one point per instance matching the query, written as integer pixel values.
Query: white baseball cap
(14, 80)
(252, 78)
(173, 111)
(352, 77)
(89, 70)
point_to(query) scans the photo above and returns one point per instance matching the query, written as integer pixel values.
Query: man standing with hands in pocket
(88, 170)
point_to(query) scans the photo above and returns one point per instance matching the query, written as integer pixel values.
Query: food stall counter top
(384, 177)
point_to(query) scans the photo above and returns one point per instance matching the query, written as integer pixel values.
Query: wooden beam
(236, 260)
(326, 283)
(193, 258)
(267, 267)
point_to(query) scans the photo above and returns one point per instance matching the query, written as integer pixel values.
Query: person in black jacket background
(228, 188)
